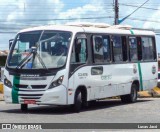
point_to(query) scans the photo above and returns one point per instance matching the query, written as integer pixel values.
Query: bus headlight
(56, 82)
(7, 82)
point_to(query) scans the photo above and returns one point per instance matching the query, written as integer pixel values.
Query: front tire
(24, 107)
(78, 101)
(132, 97)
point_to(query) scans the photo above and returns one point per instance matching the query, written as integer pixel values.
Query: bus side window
(148, 48)
(133, 48)
(117, 48)
(154, 48)
(139, 48)
(106, 48)
(124, 48)
(98, 49)
(79, 52)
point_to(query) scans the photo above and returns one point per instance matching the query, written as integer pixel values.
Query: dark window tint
(139, 48)
(98, 49)
(147, 47)
(133, 48)
(117, 48)
(79, 52)
(124, 48)
(158, 75)
(106, 48)
(154, 48)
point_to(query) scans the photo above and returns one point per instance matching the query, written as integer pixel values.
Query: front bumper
(54, 96)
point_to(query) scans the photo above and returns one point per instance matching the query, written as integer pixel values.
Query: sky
(19, 14)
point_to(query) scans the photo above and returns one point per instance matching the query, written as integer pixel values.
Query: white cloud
(30, 9)
(156, 17)
(78, 12)
(15, 12)
(93, 9)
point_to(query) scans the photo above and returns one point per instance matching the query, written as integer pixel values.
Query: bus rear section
(115, 65)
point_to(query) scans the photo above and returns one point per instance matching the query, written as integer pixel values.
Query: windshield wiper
(28, 58)
(24, 61)
(34, 53)
(41, 61)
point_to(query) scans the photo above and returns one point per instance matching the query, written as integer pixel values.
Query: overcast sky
(19, 14)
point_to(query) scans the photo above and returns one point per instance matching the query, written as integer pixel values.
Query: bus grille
(30, 92)
(30, 87)
(30, 96)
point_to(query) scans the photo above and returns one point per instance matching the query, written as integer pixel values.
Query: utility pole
(116, 9)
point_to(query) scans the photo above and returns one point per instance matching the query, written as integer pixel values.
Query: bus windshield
(39, 49)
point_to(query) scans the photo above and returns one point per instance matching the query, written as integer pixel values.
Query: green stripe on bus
(16, 80)
(140, 76)
(132, 32)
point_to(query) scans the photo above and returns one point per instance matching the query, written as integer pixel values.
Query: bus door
(79, 72)
(99, 76)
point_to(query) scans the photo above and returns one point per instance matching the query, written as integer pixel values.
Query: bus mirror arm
(10, 43)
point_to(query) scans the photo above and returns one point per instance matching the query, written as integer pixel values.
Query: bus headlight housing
(56, 82)
(7, 82)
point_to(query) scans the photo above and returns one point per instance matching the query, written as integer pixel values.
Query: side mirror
(10, 43)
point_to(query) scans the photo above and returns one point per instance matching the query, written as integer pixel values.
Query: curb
(155, 92)
(144, 94)
(1, 97)
(1, 87)
(1, 92)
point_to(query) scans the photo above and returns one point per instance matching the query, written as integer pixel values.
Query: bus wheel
(24, 107)
(78, 101)
(132, 97)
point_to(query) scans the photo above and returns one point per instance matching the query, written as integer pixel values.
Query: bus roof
(91, 29)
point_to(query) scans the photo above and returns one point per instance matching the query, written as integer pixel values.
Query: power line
(38, 21)
(48, 20)
(141, 7)
(50, 13)
(59, 19)
(48, 9)
(49, 3)
(146, 20)
(120, 21)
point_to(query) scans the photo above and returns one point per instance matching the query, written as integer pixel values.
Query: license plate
(29, 102)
